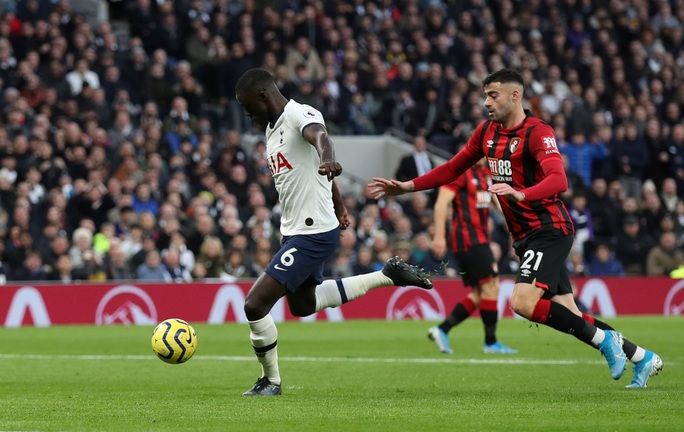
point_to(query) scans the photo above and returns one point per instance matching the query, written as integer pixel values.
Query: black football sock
(490, 316)
(460, 313)
(562, 319)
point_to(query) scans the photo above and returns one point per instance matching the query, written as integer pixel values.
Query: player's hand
(330, 169)
(439, 247)
(383, 187)
(343, 217)
(505, 190)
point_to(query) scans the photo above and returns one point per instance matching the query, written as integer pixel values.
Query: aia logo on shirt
(278, 164)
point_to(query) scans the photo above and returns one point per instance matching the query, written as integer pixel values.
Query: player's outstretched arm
(439, 176)
(317, 135)
(383, 187)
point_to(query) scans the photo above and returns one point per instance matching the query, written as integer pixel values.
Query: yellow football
(174, 341)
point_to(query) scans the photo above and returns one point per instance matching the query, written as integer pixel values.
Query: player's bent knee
(517, 305)
(254, 310)
(523, 301)
(475, 297)
(522, 308)
(489, 289)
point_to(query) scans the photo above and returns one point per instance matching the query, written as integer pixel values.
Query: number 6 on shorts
(287, 258)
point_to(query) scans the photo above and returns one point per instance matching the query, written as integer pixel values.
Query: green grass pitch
(351, 376)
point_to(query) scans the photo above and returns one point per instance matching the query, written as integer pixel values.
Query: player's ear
(515, 94)
(263, 95)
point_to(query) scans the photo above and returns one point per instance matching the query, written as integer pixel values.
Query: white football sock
(599, 336)
(638, 355)
(264, 337)
(332, 293)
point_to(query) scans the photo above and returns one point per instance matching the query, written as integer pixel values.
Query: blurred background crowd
(124, 155)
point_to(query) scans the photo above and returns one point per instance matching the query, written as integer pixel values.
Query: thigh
(261, 297)
(301, 258)
(542, 262)
(477, 265)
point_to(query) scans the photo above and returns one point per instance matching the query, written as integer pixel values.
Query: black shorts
(542, 260)
(477, 265)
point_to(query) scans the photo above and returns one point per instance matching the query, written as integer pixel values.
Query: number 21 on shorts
(528, 257)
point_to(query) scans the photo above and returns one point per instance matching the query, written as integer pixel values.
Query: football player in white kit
(301, 158)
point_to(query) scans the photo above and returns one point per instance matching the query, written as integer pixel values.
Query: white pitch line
(504, 361)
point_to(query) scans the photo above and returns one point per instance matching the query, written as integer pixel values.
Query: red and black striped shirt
(471, 209)
(515, 156)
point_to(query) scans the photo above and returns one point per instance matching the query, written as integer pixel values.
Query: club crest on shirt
(514, 144)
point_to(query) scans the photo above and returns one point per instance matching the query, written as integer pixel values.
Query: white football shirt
(305, 196)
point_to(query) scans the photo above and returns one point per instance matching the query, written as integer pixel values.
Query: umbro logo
(490, 143)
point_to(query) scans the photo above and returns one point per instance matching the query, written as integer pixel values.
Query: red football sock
(541, 311)
(468, 305)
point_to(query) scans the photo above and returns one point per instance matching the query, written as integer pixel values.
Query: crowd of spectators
(129, 157)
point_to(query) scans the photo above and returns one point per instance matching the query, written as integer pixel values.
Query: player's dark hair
(254, 79)
(503, 76)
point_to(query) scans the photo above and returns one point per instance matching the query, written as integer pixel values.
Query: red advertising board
(138, 303)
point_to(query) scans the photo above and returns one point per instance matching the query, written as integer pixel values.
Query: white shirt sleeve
(305, 115)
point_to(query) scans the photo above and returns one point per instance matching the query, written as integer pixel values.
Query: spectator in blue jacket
(582, 154)
(143, 201)
(603, 263)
